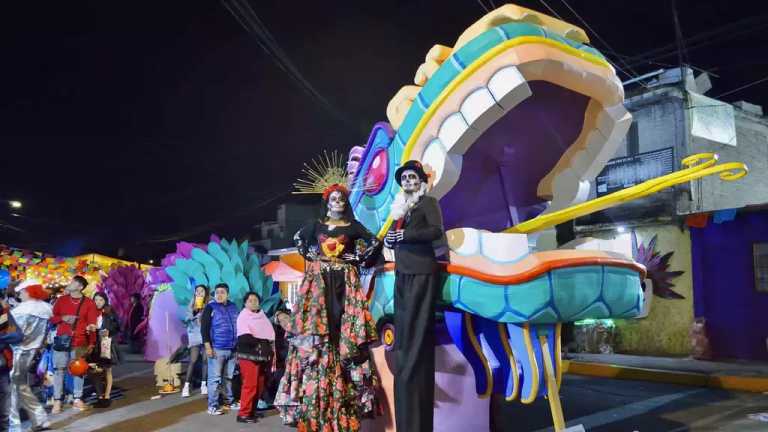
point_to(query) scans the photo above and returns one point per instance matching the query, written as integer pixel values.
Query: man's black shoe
(246, 419)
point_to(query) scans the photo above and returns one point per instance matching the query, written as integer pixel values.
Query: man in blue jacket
(218, 326)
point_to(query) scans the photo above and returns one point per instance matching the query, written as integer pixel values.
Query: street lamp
(14, 204)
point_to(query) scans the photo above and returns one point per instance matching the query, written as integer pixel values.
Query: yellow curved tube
(697, 166)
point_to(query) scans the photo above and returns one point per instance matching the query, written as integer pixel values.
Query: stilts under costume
(329, 381)
(418, 225)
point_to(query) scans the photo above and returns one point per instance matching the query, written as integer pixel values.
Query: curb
(724, 382)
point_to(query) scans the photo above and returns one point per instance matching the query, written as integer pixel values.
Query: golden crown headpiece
(323, 175)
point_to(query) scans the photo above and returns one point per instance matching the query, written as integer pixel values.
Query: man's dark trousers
(415, 296)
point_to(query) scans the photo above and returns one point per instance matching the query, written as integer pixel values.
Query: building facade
(708, 224)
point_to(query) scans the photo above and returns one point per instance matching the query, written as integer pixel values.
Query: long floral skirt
(321, 393)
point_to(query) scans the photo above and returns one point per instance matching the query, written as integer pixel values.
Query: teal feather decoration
(182, 291)
(194, 269)
(215, 250)
(212, 268)
(230, 262)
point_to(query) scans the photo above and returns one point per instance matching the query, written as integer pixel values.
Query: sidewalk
(132, 373)
(134, 410)
(730, 375)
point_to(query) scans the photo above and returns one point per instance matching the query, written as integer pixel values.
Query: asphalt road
(607, 405)
(600, 405)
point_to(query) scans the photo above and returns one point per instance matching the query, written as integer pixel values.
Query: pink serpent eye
(377, 173)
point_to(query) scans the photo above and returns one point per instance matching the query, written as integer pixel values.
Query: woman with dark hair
(329, 381)
(195, 338)
(255, 353)
(106, 354)
(135, 317)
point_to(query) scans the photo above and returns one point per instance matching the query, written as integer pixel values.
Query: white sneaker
(203, 388)
(215, 411)
(185, 390)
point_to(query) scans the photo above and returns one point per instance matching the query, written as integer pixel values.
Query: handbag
(64, 342)
(106, 347)
(254, 349)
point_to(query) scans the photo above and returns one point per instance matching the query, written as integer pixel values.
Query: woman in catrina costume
(330, 382)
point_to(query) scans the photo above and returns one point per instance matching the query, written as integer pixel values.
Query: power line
(207, 227)
(719, 34)
(597, 36)
(743, 87)
(482, 5)
(551, 10)
(682, 56)
(245, 15)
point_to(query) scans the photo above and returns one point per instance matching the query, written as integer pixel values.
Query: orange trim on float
(534, 271)
(545, 267)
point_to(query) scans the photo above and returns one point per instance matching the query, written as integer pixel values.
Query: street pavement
(609, 405)
(599, 404)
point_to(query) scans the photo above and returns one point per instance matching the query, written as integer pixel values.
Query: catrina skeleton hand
(393, 237)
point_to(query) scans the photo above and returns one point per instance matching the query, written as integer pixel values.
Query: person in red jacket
(73, 308)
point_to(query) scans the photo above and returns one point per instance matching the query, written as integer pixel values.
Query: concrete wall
(662, 117)
(752, 148)
(659, 118)
(665, 331)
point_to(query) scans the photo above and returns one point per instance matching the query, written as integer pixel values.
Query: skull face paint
(337, 203)
(410, 181)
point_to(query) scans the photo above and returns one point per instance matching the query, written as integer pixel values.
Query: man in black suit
(418, 223)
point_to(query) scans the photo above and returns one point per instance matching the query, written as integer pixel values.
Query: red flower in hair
(334, 188)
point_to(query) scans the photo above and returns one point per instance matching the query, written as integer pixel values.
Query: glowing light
(151, 261)
(14, 204)
(621, 229)
(591, 321)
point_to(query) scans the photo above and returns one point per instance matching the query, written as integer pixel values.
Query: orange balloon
(78, 367)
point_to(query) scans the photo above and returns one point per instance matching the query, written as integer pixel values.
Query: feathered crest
(120, 283)
(656, 266)
(325, 171)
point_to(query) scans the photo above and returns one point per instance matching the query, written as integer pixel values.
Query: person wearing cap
(417, 228)
(32, 316)
(73, 308)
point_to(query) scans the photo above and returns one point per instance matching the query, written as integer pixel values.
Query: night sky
(133, 124)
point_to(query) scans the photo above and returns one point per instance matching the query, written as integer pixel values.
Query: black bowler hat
(415, 166)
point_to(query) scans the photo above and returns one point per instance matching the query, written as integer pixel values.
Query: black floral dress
(329, 381)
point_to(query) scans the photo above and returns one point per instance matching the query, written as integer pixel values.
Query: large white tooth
(613, 123)
(464, 241)
(568, 189)
(509, 87)
(481, 110)
(454, 131)
(583, 161)
(504, 248)
(446, 167)
(622, 244)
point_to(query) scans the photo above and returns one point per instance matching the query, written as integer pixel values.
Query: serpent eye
(376, 176)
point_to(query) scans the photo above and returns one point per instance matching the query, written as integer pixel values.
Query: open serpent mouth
(512, 122)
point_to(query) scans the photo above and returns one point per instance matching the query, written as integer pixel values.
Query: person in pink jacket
(255, 353)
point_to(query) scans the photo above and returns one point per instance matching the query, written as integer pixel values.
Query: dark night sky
(123, 122)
